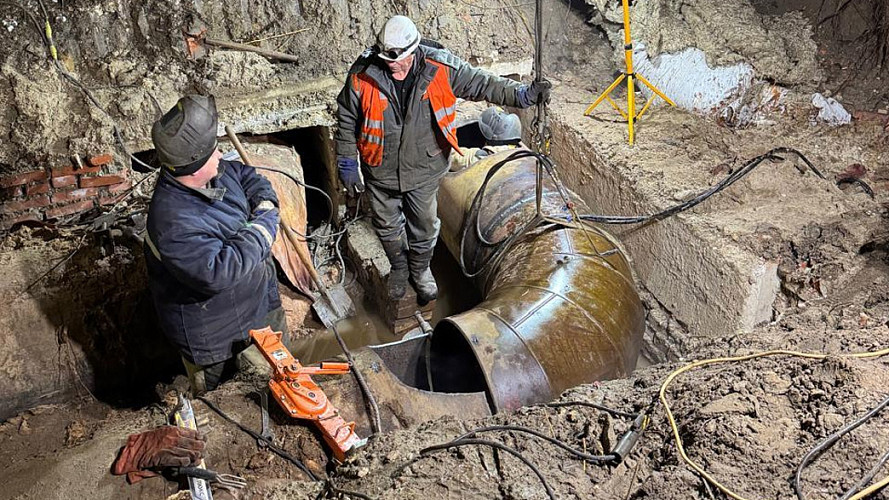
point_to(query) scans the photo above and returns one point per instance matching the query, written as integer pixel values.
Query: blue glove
(267, 224)
(350, 175)
(530, 95)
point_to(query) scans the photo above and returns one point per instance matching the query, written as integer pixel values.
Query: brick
(110, 200)
(35, 189)
(120, 188)
(8, 222)
(102, 180)
(99, 160)
(71, 170)
(64, 181)
(24, 178)
(75, 194)
(73, 208)
(11, 192)
(18, 206)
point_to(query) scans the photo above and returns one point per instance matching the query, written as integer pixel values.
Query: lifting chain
(541, 136)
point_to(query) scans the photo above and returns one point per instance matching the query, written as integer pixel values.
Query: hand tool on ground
(265, 431)
(301, 397)
(184, 417)
(228, 482)
(331, 304)
(195, 42)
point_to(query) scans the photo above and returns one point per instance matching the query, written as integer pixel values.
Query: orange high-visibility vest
(373, 102)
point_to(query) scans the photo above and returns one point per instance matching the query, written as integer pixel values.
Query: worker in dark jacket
(211, 225)
(397, 113)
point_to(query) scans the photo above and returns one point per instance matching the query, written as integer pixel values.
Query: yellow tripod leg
(645, 108)
(604, 95)
(631, 109)
(617, 108)
(655, 90)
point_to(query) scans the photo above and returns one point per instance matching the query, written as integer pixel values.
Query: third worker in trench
(396, 129)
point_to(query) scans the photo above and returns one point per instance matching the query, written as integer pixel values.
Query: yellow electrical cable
(700, 470)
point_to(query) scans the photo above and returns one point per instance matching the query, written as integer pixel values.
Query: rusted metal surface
(560, 308)
(394, 372)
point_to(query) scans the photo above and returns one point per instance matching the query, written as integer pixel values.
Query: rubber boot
(399, 269)
(421, 277)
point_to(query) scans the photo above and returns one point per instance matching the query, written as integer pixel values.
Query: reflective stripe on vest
(373, 102)
(444, 103)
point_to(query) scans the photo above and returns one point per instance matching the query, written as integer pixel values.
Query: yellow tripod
(630, 76)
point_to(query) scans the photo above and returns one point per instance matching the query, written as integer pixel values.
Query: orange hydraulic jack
(301, 397)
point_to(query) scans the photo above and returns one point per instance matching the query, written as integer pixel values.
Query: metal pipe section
(560, 307)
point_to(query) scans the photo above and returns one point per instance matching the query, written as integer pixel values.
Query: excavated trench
(782, 259)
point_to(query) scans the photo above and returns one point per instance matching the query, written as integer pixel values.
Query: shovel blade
(333, 306)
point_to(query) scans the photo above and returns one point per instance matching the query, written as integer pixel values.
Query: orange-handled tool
(301, 397)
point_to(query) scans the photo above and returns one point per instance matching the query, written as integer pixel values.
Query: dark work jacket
(415, 152)
(214, 278)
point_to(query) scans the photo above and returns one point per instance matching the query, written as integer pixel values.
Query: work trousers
(414, 213)
(245, 357)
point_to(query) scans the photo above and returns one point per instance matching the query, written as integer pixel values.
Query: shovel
(331, 304)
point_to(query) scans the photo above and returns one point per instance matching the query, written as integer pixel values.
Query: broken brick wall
(48, 194)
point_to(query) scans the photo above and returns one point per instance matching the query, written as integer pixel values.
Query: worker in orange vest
(396, 114)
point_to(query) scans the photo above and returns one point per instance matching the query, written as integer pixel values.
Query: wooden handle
(294, 239)
(271, 54)
(238, 146)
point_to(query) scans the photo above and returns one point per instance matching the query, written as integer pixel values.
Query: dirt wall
(77, 322)
(780, 48)
(131, 55)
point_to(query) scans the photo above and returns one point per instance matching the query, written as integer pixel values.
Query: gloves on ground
(350, 175)
(537, 92)
(267, 223)
(165, 446)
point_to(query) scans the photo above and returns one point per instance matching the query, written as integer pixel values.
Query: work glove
(267, 223)
(537, 92)
(350, 175)
(165, 446)
(263, 207)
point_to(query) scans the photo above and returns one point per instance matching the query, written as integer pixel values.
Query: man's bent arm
(256, 187)
(210, 265)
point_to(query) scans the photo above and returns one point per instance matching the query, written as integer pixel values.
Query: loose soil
(747, 423)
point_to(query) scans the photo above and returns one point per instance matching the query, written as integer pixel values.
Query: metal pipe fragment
(560, 309)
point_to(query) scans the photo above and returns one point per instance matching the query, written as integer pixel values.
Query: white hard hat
(398, 39)
(498, 125)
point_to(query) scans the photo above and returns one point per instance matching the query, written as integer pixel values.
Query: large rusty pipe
(560, 307)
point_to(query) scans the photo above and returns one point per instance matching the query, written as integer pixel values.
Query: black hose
(473, 220)
(307, 186)
(373, 408)
(728, 181)
(612, 411)
(598, 459)
(861, 484)
(255, 435)
(425, 452)
(830, 441)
